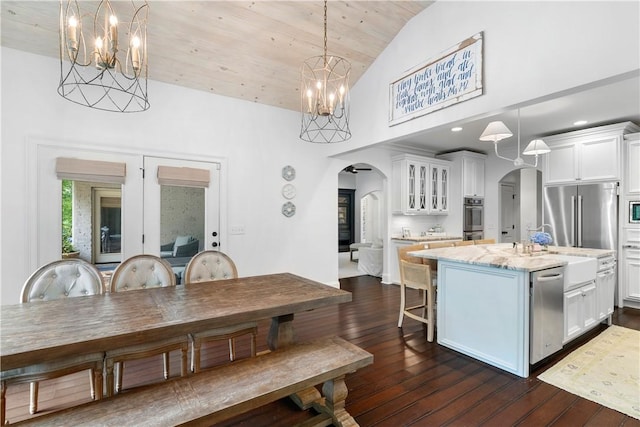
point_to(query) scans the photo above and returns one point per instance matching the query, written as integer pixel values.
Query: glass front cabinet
(422, 186)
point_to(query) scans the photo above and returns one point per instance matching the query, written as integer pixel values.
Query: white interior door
(181, 209)
(507, 213)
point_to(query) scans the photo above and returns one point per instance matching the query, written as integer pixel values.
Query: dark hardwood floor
(411, 383)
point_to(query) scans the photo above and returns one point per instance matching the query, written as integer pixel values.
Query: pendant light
(497, 131)
(324, 96)
(103, 54)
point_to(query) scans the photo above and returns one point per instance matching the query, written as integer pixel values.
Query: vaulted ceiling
(252, 50)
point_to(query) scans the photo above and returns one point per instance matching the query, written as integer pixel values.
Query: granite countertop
(504, 256)
(428, 238)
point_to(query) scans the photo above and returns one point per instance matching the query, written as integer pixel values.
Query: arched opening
(520, 198)
(366, 183)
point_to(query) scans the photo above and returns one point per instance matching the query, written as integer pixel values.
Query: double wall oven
(473, 225)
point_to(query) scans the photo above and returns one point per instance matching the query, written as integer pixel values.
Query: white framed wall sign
(453, 77)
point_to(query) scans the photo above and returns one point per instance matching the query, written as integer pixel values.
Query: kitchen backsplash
(416, 224)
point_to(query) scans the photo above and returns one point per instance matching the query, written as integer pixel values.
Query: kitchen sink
(579, 269)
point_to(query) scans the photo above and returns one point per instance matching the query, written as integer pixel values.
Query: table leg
(280, 332)
(280, 336)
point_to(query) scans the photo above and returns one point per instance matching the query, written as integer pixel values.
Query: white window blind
(90, 170)
(183, 177)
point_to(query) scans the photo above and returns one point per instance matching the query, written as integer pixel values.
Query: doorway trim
(44, 206)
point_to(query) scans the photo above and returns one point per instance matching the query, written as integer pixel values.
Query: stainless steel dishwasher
(546, 315)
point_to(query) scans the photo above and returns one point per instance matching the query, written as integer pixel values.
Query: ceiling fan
(354, 169)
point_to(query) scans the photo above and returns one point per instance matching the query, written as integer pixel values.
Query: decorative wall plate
(288, 173)
(289, 191)
(288, 209)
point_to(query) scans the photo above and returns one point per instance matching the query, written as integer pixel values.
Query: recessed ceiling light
(580, 123)
(456, 129)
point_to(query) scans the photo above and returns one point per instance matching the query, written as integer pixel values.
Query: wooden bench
(217, 394)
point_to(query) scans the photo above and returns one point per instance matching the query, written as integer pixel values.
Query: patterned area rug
(606, 370)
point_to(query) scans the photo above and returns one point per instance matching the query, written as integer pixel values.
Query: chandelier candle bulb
(98, 53)
(135, 53)
(72, 33)
(113, 33)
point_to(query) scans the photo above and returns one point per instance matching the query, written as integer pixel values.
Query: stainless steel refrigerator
(584, 216)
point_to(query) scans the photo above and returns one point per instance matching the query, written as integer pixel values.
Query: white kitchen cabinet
(630, 271)
(580, 310)
(471, 167)
(595, 160)
(439, 189)
(472, 177)
(605, 289)
(631, 156)
(422, 186)
(629, 267)
(588, 155)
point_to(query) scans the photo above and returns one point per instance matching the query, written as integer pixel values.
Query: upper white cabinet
(439, 188)
(472, 177)
(632, 161)
(586, 155)
(422, 186)
(471, 166)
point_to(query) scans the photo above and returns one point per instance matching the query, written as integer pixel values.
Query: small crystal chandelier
(96, 69)
(497, 131)
(325, 96)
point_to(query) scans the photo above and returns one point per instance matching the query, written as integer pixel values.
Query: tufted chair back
(210, 265)
(142, 272)
(62, 279)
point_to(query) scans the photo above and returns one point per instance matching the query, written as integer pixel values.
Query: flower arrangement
(541, 238)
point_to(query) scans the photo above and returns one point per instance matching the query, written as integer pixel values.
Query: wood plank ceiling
(248, 50)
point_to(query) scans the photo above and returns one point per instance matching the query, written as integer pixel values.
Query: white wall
(256, 141)
(531, 50)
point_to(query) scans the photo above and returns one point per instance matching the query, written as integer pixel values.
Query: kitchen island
(484, 299)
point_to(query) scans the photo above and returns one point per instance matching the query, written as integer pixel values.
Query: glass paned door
(181, 209)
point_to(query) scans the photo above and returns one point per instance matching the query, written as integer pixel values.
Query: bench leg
(335, 394)
(305, 399)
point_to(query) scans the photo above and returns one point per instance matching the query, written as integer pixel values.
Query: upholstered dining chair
(67, 278)
(135, 274)
(209, 266)
(417, 276)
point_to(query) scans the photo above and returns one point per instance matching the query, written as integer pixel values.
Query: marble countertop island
(427, 238)
(503, 255)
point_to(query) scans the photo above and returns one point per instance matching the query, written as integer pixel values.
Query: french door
(181, 207)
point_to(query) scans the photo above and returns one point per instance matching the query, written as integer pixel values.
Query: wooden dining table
(40, 331)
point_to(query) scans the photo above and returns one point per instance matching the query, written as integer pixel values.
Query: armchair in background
(183, 246)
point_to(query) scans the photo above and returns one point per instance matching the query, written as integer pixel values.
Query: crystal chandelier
(97, 69)
(497, 131)
(325, 96)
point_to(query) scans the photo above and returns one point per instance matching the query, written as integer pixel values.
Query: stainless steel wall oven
(473, 214)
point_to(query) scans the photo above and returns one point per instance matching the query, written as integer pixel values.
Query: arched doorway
(366, 183)
(520, 198)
